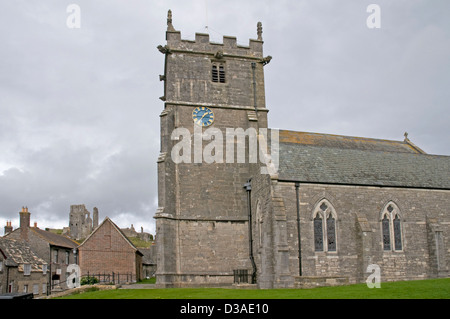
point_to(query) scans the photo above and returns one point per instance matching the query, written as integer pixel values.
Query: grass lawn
(419, 289)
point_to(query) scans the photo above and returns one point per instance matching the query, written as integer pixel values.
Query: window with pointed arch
(391, 228)
(324, 225)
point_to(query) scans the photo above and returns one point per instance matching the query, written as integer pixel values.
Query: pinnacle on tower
(259, 30)
(169, 21)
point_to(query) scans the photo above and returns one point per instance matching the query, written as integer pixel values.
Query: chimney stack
(24, 223)
(8, 228)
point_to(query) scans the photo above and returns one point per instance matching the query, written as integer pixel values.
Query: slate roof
(148, 255)
(334, 159)
(347, 142)
(18, 253)
(54, 239)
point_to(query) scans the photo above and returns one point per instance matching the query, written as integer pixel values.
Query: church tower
(210, 90)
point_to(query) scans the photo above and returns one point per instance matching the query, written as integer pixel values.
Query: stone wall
(35, 282)
(359, 234)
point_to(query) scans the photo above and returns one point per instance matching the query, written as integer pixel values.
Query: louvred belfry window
(218, 73)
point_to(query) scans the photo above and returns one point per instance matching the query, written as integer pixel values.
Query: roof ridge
(347, 136)
(122, 233)
(41, 232)
(347, 142)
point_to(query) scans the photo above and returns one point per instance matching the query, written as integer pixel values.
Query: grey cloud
(79, 108)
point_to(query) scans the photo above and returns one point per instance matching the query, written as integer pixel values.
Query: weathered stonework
(202, 229)
(81, 224)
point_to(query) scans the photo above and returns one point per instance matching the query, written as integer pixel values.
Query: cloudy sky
(79, 107)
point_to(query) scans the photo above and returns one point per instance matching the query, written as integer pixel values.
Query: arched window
(386, 233)
(331, 233)
(397, 233)
(324, 225)
(391, 228)
(318, 233)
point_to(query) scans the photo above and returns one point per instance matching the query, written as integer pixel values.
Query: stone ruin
(81, 224)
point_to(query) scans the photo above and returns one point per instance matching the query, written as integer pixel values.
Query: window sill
(394, 252)
(326, 253)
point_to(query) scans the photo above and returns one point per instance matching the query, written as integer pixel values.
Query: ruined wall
(80, 222)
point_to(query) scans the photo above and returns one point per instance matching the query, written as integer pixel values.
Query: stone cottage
(56, 250)
(21, 270)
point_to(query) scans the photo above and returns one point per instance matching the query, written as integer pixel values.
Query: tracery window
(331, 233)
(318, 233)
(386, 233)
(397, 234)
(324, 224)
(391, 228)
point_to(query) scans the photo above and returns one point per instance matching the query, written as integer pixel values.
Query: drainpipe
(49, 286)
(7, 280)
(248, 188)
(297, 185)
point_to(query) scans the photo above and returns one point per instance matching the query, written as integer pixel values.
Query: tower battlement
(217, 74)
(202, 44)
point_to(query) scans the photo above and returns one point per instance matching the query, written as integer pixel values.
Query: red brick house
(107, 250)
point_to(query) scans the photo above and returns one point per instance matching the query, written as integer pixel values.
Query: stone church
(333, 206)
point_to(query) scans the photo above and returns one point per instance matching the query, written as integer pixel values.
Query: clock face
(203, 116)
